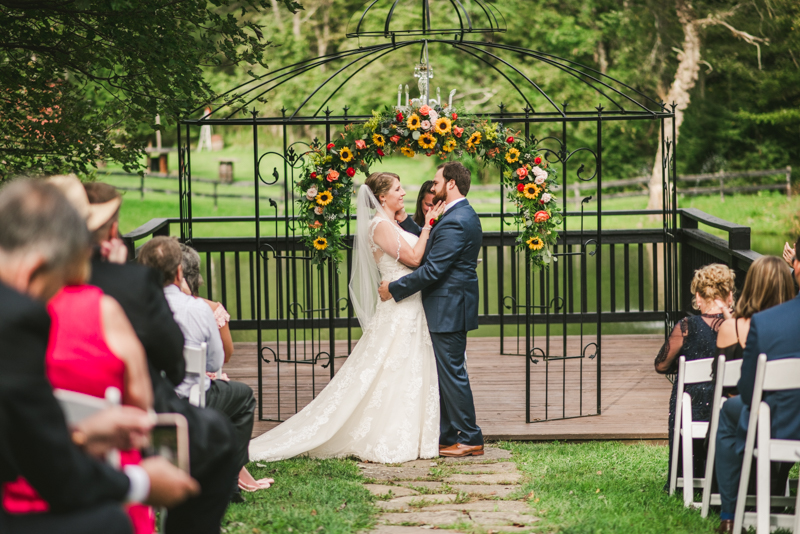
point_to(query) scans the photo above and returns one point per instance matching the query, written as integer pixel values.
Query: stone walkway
(477, 494)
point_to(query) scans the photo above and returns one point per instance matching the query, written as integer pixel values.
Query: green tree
(79, 77)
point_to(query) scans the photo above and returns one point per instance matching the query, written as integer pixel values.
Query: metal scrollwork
(533, 352)
(582, 167)
(261, 354)
(583, 352)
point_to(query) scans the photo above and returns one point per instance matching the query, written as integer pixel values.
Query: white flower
(528, 222)
(318, 210)
(432, 116)
(426, 125)
(547, 197)
(311, 194)
(540, 174)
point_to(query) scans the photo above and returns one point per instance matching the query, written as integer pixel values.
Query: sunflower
(407, 151)
(324, 198)
(474, 139)
(345, 154)
(427, 141)
(320, 243)
(512, 156)
(449, 145)
(442, 126)
(379, 140)
(530, 191)
(413, 122)
(535, 243)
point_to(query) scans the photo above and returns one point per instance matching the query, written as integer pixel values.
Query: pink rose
(426, 125)
(540, 216)
(360, 144)
(540, 174)
(318, 210)
(546, 198)
(311, 193)
(425, 110)
(522, 172)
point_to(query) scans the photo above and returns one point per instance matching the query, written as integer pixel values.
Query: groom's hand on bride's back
(383, 291)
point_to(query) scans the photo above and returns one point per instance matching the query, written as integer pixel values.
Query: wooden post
(788, 181)
(721, 192)
(215, 194)
(141, 186)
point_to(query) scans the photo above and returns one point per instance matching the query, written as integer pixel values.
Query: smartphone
(170, 439)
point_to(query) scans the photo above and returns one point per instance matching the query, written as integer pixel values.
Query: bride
(383, 404)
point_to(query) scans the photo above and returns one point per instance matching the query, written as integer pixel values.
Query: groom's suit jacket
(446, 277)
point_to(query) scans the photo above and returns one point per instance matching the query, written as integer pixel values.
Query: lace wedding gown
(383, 404)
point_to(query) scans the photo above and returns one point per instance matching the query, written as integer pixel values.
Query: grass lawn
(309, 496)
(603, 487)
(595, 487)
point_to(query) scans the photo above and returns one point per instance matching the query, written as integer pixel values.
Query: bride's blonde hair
(380, 182)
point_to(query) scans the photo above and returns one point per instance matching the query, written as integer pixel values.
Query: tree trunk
(684, 81)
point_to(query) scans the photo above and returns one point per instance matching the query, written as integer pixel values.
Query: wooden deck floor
(633, 403)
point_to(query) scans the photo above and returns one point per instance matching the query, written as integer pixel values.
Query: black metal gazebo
(298, 311)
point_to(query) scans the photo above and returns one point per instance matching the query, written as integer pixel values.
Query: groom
(449, 288)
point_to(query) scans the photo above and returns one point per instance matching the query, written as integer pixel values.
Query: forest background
(732, 68)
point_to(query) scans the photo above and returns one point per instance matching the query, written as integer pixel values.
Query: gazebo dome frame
(617, 102)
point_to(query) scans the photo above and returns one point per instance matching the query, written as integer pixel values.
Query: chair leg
(676, 440)
(763, 494)
(688, 456)
(744, 479)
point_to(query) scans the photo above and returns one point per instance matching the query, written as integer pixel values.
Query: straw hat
(96, 215)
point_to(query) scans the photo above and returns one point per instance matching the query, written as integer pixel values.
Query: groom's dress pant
(456, 405)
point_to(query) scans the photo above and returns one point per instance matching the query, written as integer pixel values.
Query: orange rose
(457, 131)
(425, 110)
(333, 175)
(360, 144)
(540, 216)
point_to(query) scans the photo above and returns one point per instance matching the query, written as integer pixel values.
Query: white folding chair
(685, 429)
(78, 406)
(776, 375)
(195, 358)
(728, 374)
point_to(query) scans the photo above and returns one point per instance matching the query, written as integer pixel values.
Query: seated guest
(197, 322)
(424, 203)
(139, 291)
(772, 332)
(192, 281)
(42, 241)
(767, 284)
(92, 347)
(695, 337)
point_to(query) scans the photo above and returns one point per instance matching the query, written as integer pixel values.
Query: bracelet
(426, 228)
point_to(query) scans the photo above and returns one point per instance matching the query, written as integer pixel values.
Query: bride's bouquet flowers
(326, 185)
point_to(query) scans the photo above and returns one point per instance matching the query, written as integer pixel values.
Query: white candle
(399, 94)
(407, 95)
(450, 102)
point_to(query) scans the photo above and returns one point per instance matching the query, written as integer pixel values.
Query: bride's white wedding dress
(383, 404)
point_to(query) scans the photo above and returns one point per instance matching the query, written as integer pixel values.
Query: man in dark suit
(449, 285)
(772, 332)
(42, 238)
(139, 291)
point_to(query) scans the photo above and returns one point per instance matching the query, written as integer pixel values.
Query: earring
(383, 203)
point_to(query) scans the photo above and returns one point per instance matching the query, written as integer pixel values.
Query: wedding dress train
(383, 404)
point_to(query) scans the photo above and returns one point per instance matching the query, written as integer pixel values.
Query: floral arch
(326, 185)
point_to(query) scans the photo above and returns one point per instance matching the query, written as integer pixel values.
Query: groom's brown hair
(455, 171)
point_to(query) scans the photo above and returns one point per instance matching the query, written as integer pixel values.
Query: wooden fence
(575, 190)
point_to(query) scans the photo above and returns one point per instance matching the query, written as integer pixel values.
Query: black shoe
(236, 497)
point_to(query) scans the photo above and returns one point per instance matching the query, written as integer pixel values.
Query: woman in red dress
(92, 347)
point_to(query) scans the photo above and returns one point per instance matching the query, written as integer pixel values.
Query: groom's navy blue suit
(449, 285)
